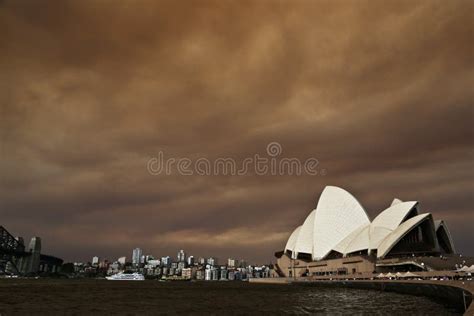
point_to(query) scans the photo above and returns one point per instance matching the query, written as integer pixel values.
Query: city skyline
(182, 267)
(182, 256)
(380, 94)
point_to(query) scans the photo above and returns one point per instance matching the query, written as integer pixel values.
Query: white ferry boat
(126, 277)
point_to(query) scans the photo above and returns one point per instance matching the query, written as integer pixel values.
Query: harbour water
(49, 296)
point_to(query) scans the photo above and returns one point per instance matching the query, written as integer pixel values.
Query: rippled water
(356, 301)
(153, 297)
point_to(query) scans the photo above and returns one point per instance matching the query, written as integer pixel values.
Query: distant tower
(165, 261)
(95, 261)
(212, 261)
(136, 256)
(190, 260)
(181, 256)
(20, 262)
(232, 263)
(33, 261)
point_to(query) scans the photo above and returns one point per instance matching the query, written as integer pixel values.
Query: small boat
(126, 277)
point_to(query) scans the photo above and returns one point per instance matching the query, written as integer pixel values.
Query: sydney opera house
(339, 238)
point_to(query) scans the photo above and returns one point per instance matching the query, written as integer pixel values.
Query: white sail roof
(304, 241)
(387, 221)
(339, 223)
(370, 236)
(391, 240)
(395, 201)
(355, 241)
(440, 224)
(337, 214)
(290, 245)
(394, 215)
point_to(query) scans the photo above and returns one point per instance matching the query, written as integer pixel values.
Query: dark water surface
(80, 297)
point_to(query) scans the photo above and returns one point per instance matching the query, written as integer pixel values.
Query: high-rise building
(95, 261)
(186, 273)
(181, 265)
(166, 261)
(215, 274)
(223, 274)
(232, 263)
(21, 261)
(202, 261)
(200, 274)
(33, 261)
(208, 275)
(190, 260)
(181, 256)
(136, 256)
(212, 261)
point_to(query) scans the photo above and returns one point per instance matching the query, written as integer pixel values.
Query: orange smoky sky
(380, 92)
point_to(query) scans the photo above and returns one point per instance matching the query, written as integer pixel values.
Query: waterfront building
(200, 274)
(32, 262)
(166, 261)
(114, 268)
(181, 256)
(208, 274)
(136, 256)
(158, 271)
(238, 275)
(190, 260)
(215, 274)
(223, 273)
(212, 261)
(339, 228)
(186, 273)
(95, 261)
(181, 265)
(232, 263)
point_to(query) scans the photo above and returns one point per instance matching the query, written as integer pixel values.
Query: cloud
(379, 93)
